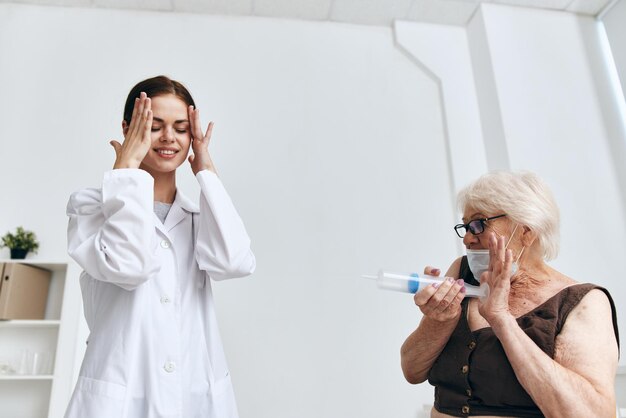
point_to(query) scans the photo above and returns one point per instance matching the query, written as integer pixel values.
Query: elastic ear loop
(511, 237)
(520, 255)
(507, 245)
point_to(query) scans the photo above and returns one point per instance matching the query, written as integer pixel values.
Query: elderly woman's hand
(441, 301)
(495, 307)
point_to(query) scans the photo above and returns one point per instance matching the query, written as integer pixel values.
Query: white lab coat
(154, 349)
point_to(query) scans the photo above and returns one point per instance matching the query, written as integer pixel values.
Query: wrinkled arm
(579, 382)
(222, 243)
(441, 308)
(423, 346)
(111, 233)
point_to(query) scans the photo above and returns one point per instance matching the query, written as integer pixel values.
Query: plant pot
(18, 253)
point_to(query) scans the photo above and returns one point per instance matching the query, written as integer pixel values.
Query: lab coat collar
(185, 203)
(181, 208)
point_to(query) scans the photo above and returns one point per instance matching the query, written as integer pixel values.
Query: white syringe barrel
(413, 283)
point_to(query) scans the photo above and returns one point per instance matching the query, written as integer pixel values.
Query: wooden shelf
(26, 377)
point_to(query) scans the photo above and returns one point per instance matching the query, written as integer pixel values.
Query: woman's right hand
(441, 301)
(137, 137)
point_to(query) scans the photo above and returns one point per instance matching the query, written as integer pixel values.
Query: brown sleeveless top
(472, 375)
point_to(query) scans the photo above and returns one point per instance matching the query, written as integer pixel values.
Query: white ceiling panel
(542, 4)
(218, 7)
(70, 3)
(134, 4)
(588, 7)
(446, 12)
(369, 12)
(298, 9)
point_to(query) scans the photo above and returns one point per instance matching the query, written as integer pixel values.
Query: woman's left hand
(495, 307)
(200, 159)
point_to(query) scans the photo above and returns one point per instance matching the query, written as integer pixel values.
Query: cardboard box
(23, 291)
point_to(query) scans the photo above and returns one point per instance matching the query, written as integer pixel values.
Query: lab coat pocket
(96, 399)
(224, 398)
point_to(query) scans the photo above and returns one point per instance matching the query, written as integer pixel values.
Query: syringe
(412, 283)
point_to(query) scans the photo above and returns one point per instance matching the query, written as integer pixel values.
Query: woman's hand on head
(137, 138)
(496, 306)
(200, 159)
(441, 301)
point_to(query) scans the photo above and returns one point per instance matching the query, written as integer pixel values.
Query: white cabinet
(47, 347)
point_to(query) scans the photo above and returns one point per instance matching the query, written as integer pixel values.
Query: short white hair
(525, 199)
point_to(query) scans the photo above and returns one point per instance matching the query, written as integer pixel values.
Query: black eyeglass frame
(469, 228)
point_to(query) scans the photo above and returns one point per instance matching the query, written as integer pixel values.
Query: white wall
(335, 142)
(616, 32)
(330, 142)
(612, 85)
(454, 75)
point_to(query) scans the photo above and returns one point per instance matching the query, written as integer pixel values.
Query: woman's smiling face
(171, 136)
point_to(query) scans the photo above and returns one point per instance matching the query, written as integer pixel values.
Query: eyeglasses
(477, 226)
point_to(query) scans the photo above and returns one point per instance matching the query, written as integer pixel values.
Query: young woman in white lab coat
(148, 253)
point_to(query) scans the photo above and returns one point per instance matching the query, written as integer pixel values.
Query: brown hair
(153, 87)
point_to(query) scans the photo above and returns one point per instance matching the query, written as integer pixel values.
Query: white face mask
(478, 260)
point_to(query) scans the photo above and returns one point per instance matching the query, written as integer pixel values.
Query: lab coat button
(165, 244)
(170, 366)
(165, 299)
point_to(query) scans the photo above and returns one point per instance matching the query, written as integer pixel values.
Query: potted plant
(20, 243)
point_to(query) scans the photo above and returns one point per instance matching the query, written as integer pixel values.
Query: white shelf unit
(620, 390)
(45, 395)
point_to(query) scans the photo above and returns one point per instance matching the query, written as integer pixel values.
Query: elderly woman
(541, 344)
